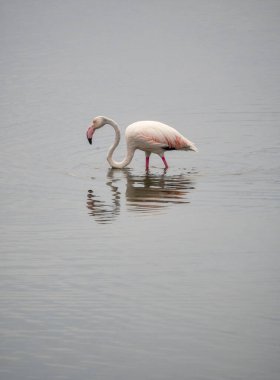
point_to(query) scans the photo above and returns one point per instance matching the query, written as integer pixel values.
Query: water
(123, 274)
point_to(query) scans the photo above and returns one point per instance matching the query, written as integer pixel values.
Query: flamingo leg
(147, 160)
(164, 161)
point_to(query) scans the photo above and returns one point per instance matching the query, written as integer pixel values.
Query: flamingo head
(98, 122)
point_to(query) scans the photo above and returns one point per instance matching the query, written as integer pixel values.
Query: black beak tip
(90, 141)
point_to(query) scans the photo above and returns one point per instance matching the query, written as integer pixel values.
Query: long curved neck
(129, 153)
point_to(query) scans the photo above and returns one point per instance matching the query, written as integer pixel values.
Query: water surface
(123, 274)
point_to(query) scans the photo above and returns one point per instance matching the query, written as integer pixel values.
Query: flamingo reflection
(148, 193)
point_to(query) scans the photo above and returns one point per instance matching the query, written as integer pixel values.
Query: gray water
(122, 274)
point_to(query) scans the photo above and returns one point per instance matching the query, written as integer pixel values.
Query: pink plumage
(148, 136)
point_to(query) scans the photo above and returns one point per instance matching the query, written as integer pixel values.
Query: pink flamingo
(149, 136)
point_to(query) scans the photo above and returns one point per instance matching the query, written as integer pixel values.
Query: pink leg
(147, 162)
(164, 161)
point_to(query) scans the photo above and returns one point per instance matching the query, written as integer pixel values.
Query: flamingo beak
(90, 132)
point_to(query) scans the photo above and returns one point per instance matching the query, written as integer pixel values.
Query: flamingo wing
(164, 140)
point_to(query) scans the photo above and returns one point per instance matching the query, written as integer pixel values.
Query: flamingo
(148, 136)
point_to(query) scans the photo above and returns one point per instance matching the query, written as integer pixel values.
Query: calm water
(122, 274)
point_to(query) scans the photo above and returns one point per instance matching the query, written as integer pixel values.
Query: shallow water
(124, 274)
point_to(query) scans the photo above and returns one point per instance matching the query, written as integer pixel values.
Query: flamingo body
(148, 136)
(155, 137)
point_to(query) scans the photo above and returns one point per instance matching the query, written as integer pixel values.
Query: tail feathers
(193, 147)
